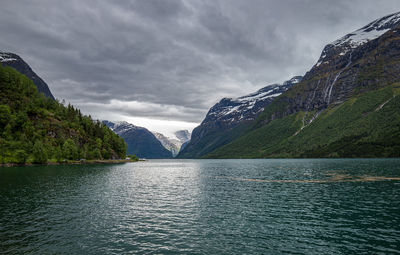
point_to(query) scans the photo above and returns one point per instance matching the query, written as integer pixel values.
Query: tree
(3, 149)
(96, 154)
(21, 156)
(106, 154)
(70, 151)
(134, 158)
(5, 115)
(39, 153)
(27, 117)
(57, 154)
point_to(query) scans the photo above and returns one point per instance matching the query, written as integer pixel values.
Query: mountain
(347, 105)
(174, 145)
(230, 117)
(16, 62)
(140, 141)
(36, 129)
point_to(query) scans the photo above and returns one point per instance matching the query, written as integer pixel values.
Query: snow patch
(358, 38)
(6, 57)
(369, 32)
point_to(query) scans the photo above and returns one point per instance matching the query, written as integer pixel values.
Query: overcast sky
(162, 64)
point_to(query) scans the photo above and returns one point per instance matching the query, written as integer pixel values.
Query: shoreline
(72, 162)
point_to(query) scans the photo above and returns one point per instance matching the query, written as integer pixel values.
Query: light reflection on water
(304, 206)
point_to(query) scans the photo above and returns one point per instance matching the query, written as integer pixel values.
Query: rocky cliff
(360, 61)
(347, 105)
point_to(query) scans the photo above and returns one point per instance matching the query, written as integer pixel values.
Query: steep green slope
(37, 129)
(331, 112)
(366, 125)
(214, 140)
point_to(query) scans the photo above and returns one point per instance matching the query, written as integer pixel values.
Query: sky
(162, 64)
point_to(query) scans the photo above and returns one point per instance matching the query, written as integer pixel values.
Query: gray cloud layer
(173, 59)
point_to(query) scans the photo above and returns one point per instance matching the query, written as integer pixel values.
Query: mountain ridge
(174, 144)
(230, 117)
(16, 62)
(140, 141)
(349, 69)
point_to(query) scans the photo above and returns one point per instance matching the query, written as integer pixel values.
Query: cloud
(172, 60)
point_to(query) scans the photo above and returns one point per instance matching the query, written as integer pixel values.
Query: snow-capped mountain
(228, 114)
(140, 141)
(343, 92)
(174, 144)
(346, 63)
(359, 37)
(247, 107)
(16, 62)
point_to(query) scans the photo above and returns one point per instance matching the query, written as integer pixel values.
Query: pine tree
(70, 150)
(39, 153)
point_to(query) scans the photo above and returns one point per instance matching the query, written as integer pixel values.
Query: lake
(264, 206)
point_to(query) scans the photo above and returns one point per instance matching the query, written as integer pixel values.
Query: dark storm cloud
(173, 59)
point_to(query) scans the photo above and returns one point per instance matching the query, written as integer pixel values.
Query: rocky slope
(16, 62)
(140, 141)
(226, 119)
(360, 61)
(349, 68)
(174, 144)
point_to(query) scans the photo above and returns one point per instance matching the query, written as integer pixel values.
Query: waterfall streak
(335, 79)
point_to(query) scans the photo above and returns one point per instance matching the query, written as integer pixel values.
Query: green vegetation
(133, 158)
(367, 125)
(210, 142)
(36, 129)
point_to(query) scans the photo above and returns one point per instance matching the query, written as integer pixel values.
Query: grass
(356, 128)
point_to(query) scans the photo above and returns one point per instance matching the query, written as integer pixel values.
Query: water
(294, 206)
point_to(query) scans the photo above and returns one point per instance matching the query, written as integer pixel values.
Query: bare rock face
(174, 144)
(171, 144)
(363, 60)
(16, 62)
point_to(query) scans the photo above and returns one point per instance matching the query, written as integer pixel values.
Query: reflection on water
(334, 177)
(203, 207)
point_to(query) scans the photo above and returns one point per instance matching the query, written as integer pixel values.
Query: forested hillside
(36, 129)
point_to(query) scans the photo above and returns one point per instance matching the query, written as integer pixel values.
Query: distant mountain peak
(174, 144)
(140, 141)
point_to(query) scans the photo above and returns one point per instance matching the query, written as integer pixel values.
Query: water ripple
(203, 207)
